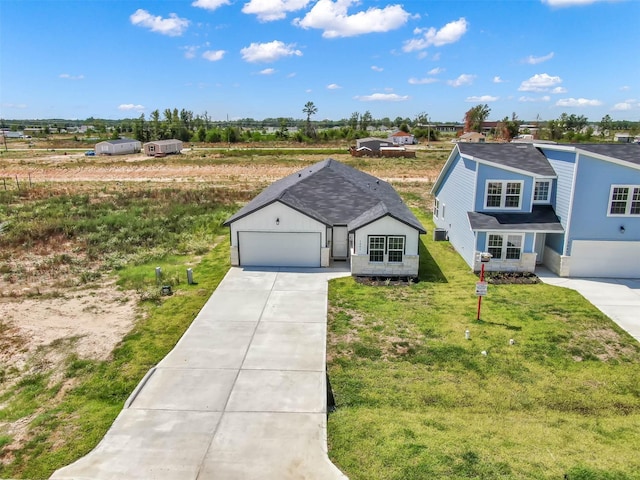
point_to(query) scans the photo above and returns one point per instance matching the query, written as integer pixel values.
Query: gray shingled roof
(513, 155)
(120, 140)
(334, 194)
(541, 218)
(627, 152)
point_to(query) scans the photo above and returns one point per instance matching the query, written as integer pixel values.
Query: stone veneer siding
(360, 265)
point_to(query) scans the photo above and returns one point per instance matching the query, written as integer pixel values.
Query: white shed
(122, 146)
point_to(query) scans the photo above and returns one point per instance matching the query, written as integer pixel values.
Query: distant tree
(508, 128)
(309, 109)
(606, 125)
(404, 127)
(283, 131)
(475, 116)
(354, 119)
(156, 129)
(365, 120)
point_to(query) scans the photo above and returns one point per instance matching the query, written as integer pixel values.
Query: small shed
(372, 143)
(402, 138)
(122, 146)
(162, 147)
(472, 137)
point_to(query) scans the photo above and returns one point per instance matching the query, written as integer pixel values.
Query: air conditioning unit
(439, 235)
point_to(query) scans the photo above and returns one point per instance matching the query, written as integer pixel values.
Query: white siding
(387, 226)
(264, 220)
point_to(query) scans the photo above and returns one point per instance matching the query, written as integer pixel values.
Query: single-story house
(122, 146)
(573, 208)
(402, 138)
(472, 137)
(372, 143)
(323, 213)
(162, 147)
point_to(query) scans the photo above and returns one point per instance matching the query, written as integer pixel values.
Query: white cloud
(14, 105)
(210, 4)
(578, 102)
(436, 71)
(382, 97)
(173, 26)
(624, 88)
(570, 3)
(376, 69)
(497, 79)
(334, 19)
(213, 55)
(270, 10)
(558, 90)
(531, 60)
(482, 98)
(269, 52)
(333, 86)
(127, 107)
(66, 76)
(629, 104)
(268, 71)
(422, 81)
(540, 82)
(464, 79)
(544, 98)
(190, 51)
(450, 33)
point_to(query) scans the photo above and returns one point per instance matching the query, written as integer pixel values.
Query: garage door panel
(605, 259)
(279, 249)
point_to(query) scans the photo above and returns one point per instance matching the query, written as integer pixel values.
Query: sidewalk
(242, 396)
(618, 298)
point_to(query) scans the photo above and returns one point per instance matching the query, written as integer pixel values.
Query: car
(89, 153)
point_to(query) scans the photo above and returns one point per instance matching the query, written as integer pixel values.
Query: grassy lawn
(416, 400)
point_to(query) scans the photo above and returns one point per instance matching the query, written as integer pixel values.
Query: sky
(233, 59)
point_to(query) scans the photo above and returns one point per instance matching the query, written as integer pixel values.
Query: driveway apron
(242, 395)
(618, 298)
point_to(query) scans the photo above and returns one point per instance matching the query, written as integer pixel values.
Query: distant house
(575, 209)
(122, 146)
(328, 211)
(162, 147)
(402, 138)
(623, 138)
(472, 137)
(372, 144)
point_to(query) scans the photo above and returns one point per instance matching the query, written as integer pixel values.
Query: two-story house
(574, 208)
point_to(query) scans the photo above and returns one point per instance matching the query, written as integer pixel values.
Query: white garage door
(605, 259)
(275, 249)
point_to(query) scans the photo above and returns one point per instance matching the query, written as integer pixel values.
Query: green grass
(416, 400)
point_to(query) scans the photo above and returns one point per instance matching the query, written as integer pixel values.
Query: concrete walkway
(242, 396)
(618, 298)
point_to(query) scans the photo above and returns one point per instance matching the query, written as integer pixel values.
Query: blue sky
(267, 58)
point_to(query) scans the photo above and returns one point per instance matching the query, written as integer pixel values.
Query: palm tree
(309, 109)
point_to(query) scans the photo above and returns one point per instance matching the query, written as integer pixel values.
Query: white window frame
(504, 245)
(436, 208)
(503, 194)
(401, 250)
(543, 200)
(370, 250)
(629, 201)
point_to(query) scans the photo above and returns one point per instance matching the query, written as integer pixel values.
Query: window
(396, 249)
(386, 249)
(541, 191)
(624, 200)
(503, 194)
(376, 249)
(504, 247)
(436, 208)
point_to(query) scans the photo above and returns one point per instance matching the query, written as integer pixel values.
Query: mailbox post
(481, 286)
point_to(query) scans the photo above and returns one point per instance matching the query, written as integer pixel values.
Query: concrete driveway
(241, 396)
(618, 298)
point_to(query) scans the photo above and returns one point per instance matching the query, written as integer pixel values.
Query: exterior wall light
(278, 221)
(622, 229)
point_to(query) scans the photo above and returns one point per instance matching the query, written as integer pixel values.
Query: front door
(540, 241)
(340, 247)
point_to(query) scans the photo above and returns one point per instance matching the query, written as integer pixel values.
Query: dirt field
(44, 317)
